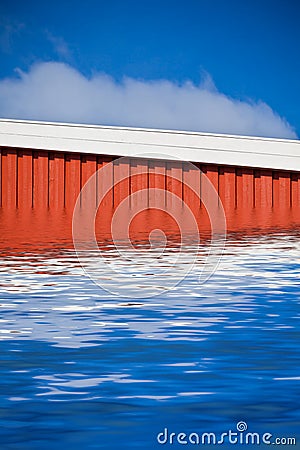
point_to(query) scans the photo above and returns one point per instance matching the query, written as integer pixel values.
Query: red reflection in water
(35, 229)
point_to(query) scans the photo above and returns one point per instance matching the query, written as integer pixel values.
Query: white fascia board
(281, 154)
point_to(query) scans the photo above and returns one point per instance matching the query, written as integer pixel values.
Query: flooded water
(84, 369)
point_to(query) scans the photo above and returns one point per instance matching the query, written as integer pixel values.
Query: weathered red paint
(281, 190)
(105, 178)
(72, 179)
(263, 188)
(49, 183)
(121, 185)
(9, 174)
(157, 180)
(191, 178)
(295, 190)
(56, 180)
(174, 181)
(212, 173)
(41, 180)
(139, 182)
(227, 187)
(88, 168)
(24, 179)
(244, 188)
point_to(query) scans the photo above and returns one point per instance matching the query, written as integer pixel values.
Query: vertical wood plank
(227, 187)
(174, 182)
(157, 182)
(281, 189)
(192, 187)
(1, 177)
(263, 188)
(295, 190)
(9, 178)
(209, 172)
(105, 180)
(88, 169)
(244, 188)
(72, 179)
(40, 179)
(56, 180)
(24, 195)
(121, 180)
(139, 183)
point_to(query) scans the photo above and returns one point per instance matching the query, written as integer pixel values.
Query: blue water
(83, 369)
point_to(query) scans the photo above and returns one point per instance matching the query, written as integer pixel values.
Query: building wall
(44, 166)
(43, 179)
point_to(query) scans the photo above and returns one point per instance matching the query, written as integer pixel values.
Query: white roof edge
(247, 151)
(148, 130)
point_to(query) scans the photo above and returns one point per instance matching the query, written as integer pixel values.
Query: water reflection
(48, 297)
(87, 369)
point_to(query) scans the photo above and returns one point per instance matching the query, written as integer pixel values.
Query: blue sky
(245, 52)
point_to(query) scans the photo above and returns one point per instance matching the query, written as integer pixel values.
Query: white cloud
(59, 45)
(57, 92)
(9, 30)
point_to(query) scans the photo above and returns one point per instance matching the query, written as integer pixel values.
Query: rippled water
(83, 369)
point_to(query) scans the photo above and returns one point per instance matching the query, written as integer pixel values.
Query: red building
(44, 166)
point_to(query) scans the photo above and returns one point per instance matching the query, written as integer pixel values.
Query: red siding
(51, 181)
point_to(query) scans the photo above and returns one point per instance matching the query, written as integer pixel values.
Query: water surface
(84, 369)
